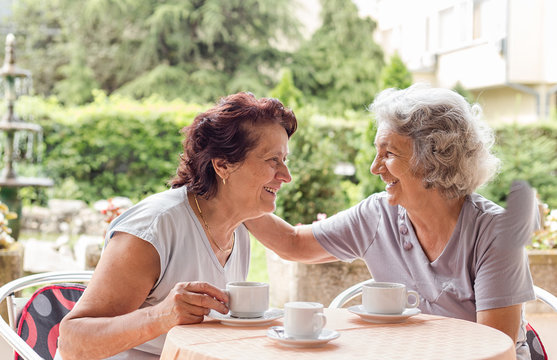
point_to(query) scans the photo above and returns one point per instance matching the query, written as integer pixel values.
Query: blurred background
(96, 92)
(110, 83)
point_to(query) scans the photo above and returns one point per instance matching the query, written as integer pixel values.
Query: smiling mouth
(270, 190)
(391, 184)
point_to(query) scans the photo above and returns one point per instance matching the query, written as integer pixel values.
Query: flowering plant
(112, 207)
(320, 216)
(546, 238)
(5, 214)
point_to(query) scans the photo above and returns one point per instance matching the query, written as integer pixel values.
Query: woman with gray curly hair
(462, 253)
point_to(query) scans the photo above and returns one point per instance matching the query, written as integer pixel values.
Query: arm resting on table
(506, 319)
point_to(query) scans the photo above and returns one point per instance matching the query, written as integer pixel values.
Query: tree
(459, 88)
(339, 66)
(215, 46)
(286, 91)
(395, 74)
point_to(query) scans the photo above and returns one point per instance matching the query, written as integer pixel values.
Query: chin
(269, 208)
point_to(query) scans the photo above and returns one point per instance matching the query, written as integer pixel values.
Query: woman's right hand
(188, 302)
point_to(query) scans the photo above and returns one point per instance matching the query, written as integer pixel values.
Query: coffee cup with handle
(388, 298)
(247, 299)
(303, 320)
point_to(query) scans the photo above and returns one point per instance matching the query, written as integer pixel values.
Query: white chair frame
(7, 292)
(356, 290)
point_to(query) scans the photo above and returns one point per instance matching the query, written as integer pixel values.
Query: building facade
(503, 51)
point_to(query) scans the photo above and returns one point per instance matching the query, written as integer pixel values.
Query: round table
(419, 337)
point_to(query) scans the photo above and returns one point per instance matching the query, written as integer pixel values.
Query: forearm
(101, 337)
(506, 319)
(275, 233)
(294, 243)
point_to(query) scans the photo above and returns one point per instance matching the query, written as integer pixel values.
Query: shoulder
(163, 207)
(476, 202)
(378, 204)
(375, 202)
(479, 221)
(480, 211)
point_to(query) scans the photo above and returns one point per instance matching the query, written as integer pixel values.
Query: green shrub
(112, 147)
(315, 149)
(527, 153)
(121, 147)
(368, 183)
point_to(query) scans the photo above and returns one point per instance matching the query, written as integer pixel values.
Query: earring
(223, 181)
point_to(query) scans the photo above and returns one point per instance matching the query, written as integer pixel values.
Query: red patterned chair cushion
(537, 350)
(40, 318)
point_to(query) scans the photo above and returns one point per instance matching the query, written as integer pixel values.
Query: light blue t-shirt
(167, 221)
(479, 269)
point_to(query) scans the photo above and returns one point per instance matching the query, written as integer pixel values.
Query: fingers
(208, 289)
(198, 298)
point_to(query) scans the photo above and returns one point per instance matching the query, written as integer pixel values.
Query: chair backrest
(537, 350)
(40, 319)
(44, 310)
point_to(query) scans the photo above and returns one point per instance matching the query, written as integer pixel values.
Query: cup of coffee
(247, 299)
(303, 320)
(388, 298)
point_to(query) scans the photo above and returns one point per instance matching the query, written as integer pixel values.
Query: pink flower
(320, 216)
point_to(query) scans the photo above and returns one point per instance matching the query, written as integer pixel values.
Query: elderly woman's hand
(188, 302)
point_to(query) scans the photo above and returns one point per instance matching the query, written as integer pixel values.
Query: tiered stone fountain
(13, 130)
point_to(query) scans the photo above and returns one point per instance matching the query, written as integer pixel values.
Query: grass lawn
(258, 263)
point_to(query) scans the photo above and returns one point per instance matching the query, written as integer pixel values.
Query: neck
(434, 222)
(216, 220)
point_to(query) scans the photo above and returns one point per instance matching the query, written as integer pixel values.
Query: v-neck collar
(405, 225)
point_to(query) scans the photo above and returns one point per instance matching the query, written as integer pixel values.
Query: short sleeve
(348, 234)
(503, 277)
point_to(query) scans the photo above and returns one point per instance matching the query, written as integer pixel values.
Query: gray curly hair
(452, 146)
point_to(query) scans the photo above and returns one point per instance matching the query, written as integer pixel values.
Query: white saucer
(277, 333)
(383, 318)
(268, 317)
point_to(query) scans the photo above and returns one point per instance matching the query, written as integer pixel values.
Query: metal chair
(545, 296)
(356, 290)
(8, 330)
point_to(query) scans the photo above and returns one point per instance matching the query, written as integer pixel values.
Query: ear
(222, 167)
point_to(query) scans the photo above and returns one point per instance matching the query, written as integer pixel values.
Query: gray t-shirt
(477, 270)
(167, 221)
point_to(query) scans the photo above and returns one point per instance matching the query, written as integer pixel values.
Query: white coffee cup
(387, 298)
(303, 320)
(247, 299)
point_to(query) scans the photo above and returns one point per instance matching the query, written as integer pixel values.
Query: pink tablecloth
(420, 337)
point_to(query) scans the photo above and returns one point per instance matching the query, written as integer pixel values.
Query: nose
(376, 166)
(283, 174)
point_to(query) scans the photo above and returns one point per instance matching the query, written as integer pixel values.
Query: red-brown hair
(225, 132)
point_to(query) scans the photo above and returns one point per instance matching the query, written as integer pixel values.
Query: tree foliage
(339, 67)
(287, 92)
(197, 50)
(527, 152)
(395, 74)
(212, 47)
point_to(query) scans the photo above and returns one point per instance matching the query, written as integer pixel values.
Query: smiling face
(256, 181)
(393, 164)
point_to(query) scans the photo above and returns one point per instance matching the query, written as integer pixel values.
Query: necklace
(209, 230)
